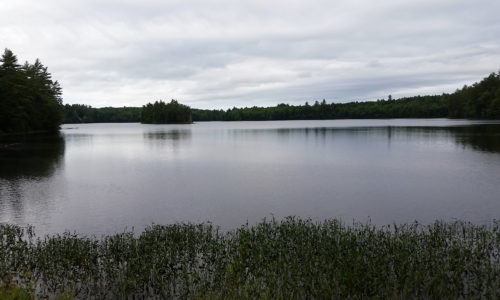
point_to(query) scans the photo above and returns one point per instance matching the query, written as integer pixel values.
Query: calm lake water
(105, 178)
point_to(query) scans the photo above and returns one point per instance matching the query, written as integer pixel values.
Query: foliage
(293, 258)
(166, 113)
(29, 99)
(481, 100)
(78, 113)
(15, 293)
(414, 107)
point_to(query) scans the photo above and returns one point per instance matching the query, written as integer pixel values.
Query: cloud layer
(219, 54)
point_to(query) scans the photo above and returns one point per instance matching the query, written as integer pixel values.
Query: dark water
(102, 178)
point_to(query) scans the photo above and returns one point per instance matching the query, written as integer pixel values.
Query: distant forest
(478, 101)
(30, 101)
(81, 113)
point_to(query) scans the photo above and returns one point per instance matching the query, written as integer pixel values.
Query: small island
(166, 113)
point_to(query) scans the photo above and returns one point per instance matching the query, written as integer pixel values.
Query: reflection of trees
(484, 137)
(22, 161)
(175, 134)
(167, 138)
(30, 156)
(480, 137)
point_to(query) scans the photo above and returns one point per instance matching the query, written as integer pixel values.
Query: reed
(292, 258)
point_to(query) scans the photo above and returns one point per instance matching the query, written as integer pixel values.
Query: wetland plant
(291, 258)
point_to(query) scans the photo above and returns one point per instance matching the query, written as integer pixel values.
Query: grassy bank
(292, 258)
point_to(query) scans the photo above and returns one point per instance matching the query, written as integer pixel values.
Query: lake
(106, 178)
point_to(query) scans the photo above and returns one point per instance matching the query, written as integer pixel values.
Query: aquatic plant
(291, 258)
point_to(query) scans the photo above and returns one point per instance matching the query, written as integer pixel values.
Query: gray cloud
(219, 54)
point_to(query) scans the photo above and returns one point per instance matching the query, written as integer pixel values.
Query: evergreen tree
(166, 113)
(29, 99)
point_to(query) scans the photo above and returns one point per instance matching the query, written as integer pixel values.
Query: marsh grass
(292, 258)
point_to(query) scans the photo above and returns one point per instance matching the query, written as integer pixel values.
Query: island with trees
(166, 113)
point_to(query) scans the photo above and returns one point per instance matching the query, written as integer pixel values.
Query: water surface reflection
(30, 157)
(27, 165)
(100, 178)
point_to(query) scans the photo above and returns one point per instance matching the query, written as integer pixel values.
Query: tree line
(478, 101)
(158, 112)
(80, 113)
(29, 99)
(414, 107)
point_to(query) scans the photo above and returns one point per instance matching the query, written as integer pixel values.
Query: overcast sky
(220, 54)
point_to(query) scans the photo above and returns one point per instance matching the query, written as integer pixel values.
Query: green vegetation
(77, 113)
(293, 258)
(29, 99)
(478, 101)
(481, 100)
(13, 292)
(166, 113)
(414, 107)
